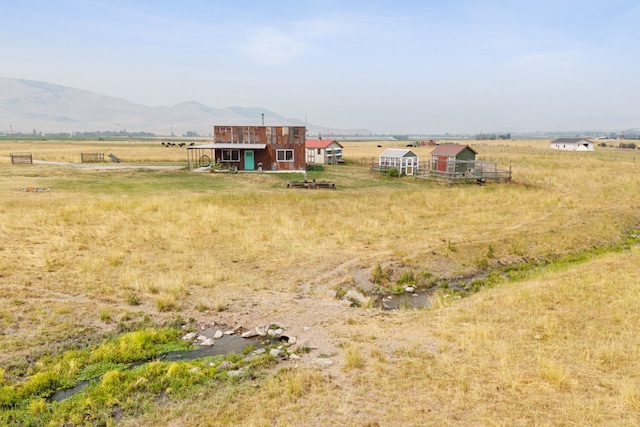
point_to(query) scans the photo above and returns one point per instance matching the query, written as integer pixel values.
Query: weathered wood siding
(275, 137)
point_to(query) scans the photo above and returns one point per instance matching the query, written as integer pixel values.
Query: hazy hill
(27, 105)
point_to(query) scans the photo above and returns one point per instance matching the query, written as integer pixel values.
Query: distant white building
(572, 144)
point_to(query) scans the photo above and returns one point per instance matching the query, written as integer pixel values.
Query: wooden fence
(91, 157)
(456, 172)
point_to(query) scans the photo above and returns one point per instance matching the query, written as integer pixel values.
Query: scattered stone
(236, 373)
(409, 289)
(189, 336)
(322, 362)
(249, 334)
(194, 370)
(207, 342)
(201, 338)
(260, 330)
(294, 356)
(259, 351)
(225, 365)
(307, 328)
(333, 294)
(292, 340)
(275, 332)
(356, 298)
(218, 334)
(275, 352)
(230, 332)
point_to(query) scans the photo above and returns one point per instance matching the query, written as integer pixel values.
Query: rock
(225, 365)
(207, 342)
(201, 338)
(236, 373)
(307, 328)
(294, 356)
(259, 351)
(276, 352)
(194, 370)
(275, 332)
(189, 336)
(292, 340)
(322, 362)
(356, 298)
(218, 334)
(409, 289)
(260, 330)
(333, 294)
(229, 332)
(249, 334)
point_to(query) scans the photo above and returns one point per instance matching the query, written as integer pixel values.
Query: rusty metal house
(252, 148)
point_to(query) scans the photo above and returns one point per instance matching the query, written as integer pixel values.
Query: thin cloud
(270, 46)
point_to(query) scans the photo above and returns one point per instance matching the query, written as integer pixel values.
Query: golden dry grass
(559, 349)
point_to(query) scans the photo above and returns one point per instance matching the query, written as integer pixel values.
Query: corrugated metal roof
(398, 152)
(320, 143)
(569, 140)
(225, 145)
(451, 149)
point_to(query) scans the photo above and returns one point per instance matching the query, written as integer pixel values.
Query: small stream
(420, 298)
(228, 344)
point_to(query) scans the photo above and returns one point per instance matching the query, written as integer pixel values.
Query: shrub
(393, 173)
(381, 276)
(407, 278)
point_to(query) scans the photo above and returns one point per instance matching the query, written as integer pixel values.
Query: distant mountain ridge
(29, 105)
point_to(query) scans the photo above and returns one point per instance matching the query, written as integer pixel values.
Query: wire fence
(615, 155)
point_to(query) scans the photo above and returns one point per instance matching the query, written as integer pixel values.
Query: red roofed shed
(444, 157)
(323, 151)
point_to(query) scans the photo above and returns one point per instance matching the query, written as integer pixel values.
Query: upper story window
(284, 155)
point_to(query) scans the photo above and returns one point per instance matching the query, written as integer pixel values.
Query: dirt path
(97, 166)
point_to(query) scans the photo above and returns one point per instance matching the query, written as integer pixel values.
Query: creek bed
(228, 344)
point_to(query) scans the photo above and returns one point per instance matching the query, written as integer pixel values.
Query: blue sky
(401, 66)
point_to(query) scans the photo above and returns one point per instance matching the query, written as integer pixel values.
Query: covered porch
(241, 157)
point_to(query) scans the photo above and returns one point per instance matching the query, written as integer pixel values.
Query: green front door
(248, 160)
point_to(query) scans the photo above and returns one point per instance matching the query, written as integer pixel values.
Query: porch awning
(225, 146)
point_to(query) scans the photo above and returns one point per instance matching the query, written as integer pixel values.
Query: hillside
(27, 106)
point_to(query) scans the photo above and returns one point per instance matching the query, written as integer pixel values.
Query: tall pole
(262, 119)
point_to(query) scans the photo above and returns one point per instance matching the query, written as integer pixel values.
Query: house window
(319, 151)
(230, 155)
(284, 155)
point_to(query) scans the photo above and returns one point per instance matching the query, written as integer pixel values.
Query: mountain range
(29, 106)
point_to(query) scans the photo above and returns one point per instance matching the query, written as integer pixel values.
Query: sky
(403, 67)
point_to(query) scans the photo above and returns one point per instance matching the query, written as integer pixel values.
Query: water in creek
(228, 344)
(417, 299)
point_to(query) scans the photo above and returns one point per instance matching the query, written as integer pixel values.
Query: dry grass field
(105, 250)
